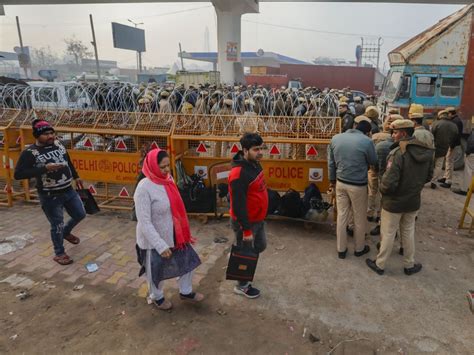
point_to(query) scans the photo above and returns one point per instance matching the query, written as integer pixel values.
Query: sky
(300, 30)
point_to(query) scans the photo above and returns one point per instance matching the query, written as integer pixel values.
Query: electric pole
(94, 43)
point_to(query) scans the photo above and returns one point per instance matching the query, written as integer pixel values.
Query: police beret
(164, 94)
(357, 98)
(442, 113)
(362, 118)
(416, 115)
(372, 112)
(402, 124)
(451, 109)
(393, 111)
(343, 104)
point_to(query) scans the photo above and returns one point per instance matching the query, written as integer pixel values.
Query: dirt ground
(306, 290)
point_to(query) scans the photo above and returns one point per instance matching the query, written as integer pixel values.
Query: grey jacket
(349, 156)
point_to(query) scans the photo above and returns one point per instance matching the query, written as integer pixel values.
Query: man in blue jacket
(349, 156)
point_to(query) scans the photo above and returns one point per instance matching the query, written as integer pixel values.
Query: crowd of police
(377, 172)
(193, 99)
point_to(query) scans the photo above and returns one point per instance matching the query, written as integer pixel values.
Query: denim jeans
(53, 207)
(259, 239)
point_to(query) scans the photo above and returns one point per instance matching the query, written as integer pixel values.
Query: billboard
(127, 37)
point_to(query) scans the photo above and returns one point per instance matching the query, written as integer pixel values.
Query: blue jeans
(53, 207)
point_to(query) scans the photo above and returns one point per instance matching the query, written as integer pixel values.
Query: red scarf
(152, 171)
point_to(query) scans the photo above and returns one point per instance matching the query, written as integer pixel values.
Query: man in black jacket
(48, 162)
(347, 119)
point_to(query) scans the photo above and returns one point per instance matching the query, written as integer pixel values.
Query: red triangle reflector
(312, 151)
(274, 150)
(92, 190)
(201, 148)
(154, 145)
(124, 192)
(234, 149)
(88, 143)
(120, 144)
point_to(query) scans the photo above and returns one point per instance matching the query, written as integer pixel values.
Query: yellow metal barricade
(295, 153)
(10, 148)
(106, 149)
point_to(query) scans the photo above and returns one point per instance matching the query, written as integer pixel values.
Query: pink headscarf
(152, 171)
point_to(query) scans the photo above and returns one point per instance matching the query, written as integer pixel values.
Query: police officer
(409, 167)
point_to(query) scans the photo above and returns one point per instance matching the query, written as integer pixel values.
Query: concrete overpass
(229, 13)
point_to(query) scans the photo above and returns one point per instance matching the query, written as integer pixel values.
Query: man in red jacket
(248, 201)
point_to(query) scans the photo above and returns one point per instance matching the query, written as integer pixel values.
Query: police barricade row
(294, 156)
(106, 149)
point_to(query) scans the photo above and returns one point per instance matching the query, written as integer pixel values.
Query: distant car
(361, 94)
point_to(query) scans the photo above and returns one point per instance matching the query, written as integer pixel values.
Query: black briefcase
(242, 264)
(88, 200)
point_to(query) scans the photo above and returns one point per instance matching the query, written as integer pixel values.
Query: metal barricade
(295, 147)
(10, 149)
(295, 153)
(106, 149)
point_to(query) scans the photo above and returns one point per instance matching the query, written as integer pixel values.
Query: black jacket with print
(32, 164)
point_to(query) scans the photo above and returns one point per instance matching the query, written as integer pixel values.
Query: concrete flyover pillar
(229, 44)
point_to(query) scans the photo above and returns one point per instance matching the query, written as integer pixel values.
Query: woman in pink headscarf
(163, 235)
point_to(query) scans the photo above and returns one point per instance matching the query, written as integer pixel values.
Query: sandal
(193, 297)
(163, 304)
(63, 259)
(72, 239)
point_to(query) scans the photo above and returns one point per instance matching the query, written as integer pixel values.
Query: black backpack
(291, 205)
(311, 192)
(274, 200)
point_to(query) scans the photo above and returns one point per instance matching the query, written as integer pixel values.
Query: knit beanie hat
(40, 127)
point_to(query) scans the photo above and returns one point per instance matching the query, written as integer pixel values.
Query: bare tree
(76, 48)
(43, 57)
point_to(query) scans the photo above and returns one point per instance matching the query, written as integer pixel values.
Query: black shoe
(342, 254)
(378, 246)
(371, 264)
(375, 230)
(363, 251)
(400, 251)
(413, 270)
(445, 185)
(350, 231)
(370, 218)
(433, 185)
(249, 291)
(377, 220)
(442, 180)
(460, 192)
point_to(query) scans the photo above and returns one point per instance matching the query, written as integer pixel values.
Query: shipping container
(331, 76)
(196, 78)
